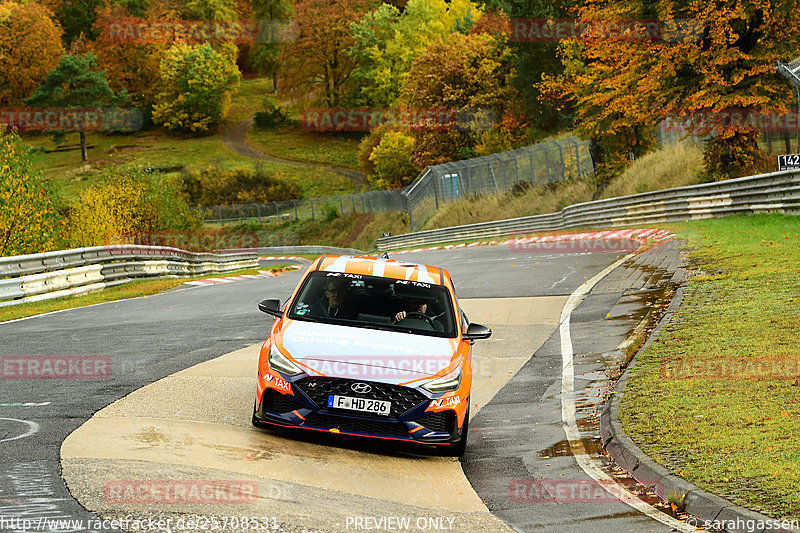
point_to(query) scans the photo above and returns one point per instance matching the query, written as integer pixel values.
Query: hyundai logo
(361, 388)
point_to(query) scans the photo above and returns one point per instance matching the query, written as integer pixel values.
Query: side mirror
(477, 331)
(271, 306)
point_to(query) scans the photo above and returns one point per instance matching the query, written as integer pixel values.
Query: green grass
(133, 289)
(733, 435)
(165, 151)
(293, 143)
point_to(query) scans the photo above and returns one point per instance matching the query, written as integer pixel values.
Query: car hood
(366, 354)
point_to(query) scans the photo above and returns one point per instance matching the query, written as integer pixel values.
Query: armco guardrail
(29, 278)
(778, 191)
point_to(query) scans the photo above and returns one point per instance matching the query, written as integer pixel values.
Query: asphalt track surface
(147, 339)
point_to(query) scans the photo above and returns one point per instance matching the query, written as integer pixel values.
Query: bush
(365, 148)
(392, 160)
(29, 218)
(129, 202)
(214, 186)
(272, 116)
(733, 156)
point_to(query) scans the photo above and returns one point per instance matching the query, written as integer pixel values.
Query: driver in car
(413, 305)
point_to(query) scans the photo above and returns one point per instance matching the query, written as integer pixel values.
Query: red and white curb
(279, 257)
(641, 235)
(232, 279)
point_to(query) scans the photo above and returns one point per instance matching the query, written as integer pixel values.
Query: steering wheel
(423, 316)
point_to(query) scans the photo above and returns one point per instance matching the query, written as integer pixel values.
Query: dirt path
(236, 139)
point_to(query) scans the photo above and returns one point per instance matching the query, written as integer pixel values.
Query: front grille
(347, 425)
(402, 398)
(276, 402)
(443, 422)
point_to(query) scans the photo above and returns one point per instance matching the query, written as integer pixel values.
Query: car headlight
(450, 382)
(279, 362)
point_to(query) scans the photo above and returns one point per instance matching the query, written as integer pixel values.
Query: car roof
(381, 267)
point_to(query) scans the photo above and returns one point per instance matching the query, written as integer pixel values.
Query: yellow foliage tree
(129, 203)
(29, 218)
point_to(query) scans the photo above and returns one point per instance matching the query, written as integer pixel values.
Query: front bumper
(408, 420)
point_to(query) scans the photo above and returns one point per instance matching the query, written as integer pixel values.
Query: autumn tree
(707, 58)
(30, 46)
(534, 58)
(387, 41)
(29, 218)
(316, 65)
(76, 17)
(469, 76)
(264, 55)
(196, 87)
(76, 83)
(132, 66)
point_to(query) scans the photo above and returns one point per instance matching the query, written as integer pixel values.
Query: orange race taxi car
(370, 347)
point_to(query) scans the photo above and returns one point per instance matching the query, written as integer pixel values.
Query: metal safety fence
(540, 164)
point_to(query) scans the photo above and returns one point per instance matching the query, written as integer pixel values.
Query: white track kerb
(589, 465)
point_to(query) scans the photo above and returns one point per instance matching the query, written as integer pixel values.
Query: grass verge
(672, 167)
(134, 289)
(698, 402)
(293, 143)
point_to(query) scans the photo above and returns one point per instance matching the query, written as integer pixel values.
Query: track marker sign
(788, 162)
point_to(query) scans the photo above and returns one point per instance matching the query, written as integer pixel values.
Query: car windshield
(375, 302)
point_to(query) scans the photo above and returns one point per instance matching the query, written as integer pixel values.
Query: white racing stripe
(590, 466)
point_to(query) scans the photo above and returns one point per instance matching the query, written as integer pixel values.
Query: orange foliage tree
(469, 76)
(316, 64)
(706, 57)
(30, 45)
(128, 65)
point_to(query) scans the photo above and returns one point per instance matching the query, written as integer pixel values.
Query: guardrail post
(277, 213)
(410, 212)
(219, 215)
(341, 205)
(258, 212)
(311, 200)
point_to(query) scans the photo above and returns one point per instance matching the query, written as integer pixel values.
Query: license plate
(378, 407)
